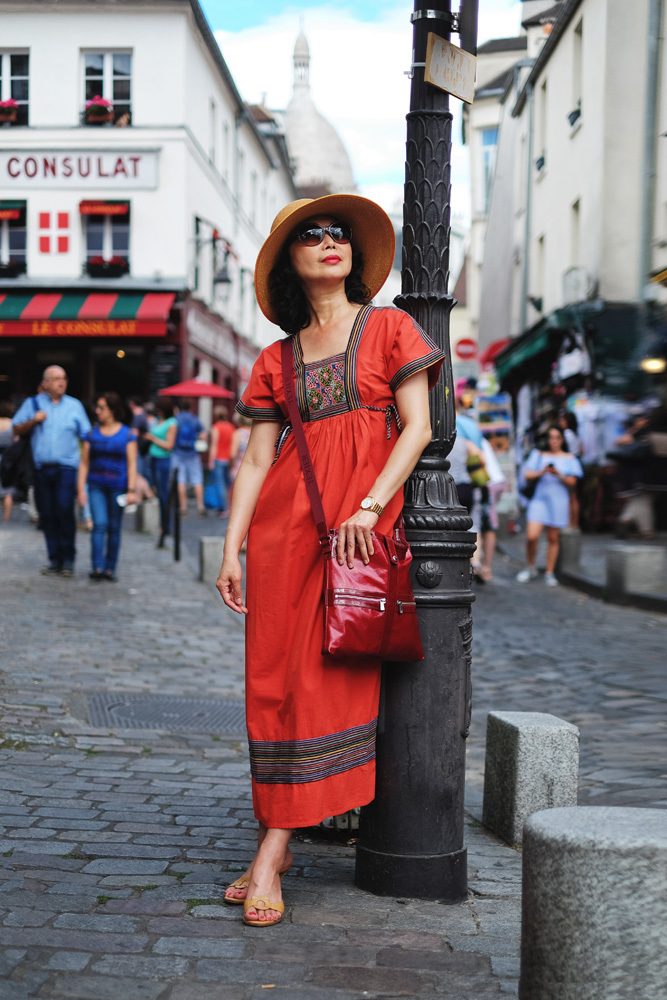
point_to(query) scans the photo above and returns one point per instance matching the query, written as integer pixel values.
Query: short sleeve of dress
(412, 351)
(574, 467)
(534, 461)
(257, 401)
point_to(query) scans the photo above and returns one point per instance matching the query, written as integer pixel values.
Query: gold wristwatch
(368, 503)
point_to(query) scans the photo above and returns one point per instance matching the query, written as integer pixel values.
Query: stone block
(594, 904)
(636, 569)
(147, 516)
(532, 763)
(210, 558)
(569, 552)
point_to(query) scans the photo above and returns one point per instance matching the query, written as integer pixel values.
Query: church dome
(321, 160)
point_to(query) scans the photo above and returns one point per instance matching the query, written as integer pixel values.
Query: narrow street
(123, 817)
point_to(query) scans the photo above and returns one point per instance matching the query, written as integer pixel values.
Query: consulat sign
(119, 169)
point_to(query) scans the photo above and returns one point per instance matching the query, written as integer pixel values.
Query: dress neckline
(332, 357)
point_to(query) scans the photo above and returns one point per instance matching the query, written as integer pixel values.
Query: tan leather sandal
(242, 883)
(261, 903)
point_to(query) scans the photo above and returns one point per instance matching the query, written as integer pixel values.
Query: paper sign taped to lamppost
(450, 68)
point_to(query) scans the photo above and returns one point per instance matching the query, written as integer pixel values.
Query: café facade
(129, 226)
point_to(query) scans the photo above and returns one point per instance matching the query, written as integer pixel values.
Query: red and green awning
(84, 314)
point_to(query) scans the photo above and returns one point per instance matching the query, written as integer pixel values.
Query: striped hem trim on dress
(416, 366)
(260, 412)
(295, 762)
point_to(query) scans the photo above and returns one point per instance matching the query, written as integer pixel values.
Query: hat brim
(372, 234)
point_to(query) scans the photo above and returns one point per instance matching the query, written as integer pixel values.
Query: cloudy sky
(359, 52)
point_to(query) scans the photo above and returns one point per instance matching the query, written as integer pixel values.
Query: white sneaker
(526, 575)
(550, 580)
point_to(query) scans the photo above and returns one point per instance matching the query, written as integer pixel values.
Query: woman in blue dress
(109, 466)
(555, 473)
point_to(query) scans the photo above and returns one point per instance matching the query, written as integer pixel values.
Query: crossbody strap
(286, 357)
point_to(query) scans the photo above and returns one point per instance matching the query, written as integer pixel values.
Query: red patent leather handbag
(368, 610)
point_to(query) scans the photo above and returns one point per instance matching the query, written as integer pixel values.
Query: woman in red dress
(362, 376)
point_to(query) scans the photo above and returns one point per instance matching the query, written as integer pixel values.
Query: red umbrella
(197, 387)
(488, 356)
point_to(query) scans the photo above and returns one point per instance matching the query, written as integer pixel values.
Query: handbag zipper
(352, 599)
(400, 605)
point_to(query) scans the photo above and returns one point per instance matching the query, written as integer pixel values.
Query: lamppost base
(421, 876)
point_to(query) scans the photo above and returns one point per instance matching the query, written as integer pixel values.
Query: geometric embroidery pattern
(325, 386)
(294, 762)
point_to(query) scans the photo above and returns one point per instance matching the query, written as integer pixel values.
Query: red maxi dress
(312, 719)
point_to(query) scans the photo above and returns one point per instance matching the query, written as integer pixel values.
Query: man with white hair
(57, 422)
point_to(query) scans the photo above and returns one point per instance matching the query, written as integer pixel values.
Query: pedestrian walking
(358, 371)
(56, 427)
(219, 457)
(485, 514)
(6, 438)
(140, 426)
(555, 473)
(186, 460)
(162, 437)
(108, 468)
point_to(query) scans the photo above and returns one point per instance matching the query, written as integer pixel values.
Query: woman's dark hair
(115, 404)
(6, 408)
(571, 421)
(164, 407)
(287, 296)
(544, 443)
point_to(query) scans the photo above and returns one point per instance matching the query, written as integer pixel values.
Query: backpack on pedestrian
(188, 431)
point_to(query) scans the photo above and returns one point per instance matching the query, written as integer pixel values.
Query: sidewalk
(119, 837)
(591, 575)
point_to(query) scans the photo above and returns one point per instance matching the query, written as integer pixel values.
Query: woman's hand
(81, 496)
(228, 584)
(356, 531)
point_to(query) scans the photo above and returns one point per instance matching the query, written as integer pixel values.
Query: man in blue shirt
(57, 422)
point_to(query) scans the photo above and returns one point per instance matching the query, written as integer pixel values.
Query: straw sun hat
(372, 233)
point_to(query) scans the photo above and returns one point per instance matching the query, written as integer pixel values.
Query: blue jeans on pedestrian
(55, 492)
(221, 481)
(160, 468)
(107, 517)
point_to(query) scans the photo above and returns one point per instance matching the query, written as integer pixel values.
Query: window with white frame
(14, 84)
(489, 148)
(12, 237)
(109, 75)
(107, 237)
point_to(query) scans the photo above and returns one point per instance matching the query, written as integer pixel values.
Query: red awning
(81, 314)
(104, 207)
(492, 351)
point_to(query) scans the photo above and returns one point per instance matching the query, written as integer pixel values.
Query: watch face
(366, 503)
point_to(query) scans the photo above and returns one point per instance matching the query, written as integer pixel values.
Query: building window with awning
(12, 238)
(106, 227)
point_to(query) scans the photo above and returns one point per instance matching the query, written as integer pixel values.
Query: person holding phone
(555, 472)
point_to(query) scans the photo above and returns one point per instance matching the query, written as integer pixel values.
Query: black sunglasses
(312, 236)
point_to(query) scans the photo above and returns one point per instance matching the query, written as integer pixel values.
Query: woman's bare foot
(272, 857)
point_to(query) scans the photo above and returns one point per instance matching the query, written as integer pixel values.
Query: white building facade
(578, 207)
(128, 240)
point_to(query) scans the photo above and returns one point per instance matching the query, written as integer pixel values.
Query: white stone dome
(321, 160)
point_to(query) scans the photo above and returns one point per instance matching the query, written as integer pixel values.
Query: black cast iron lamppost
(411, 836)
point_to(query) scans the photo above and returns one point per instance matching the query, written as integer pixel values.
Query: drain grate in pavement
(178, 715)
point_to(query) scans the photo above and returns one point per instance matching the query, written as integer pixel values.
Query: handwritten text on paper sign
(450, 68)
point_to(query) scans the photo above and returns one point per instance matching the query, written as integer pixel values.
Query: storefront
(125, 341)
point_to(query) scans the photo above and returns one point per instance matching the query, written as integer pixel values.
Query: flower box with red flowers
(8, 110)
(99, 111)
(116, 267)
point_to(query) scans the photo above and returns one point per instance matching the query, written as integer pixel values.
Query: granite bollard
(210, 557)
(636, 569)
(147, 516)
(594, 904)
(569, 551)
(532, 763)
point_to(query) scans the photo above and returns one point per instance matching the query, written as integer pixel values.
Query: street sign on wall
(450, 68)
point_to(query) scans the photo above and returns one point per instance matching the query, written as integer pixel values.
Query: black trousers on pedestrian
(55, 493)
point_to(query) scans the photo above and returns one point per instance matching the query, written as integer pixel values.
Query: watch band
(370, 503)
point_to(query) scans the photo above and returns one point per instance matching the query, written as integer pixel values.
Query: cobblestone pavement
(117, 843)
